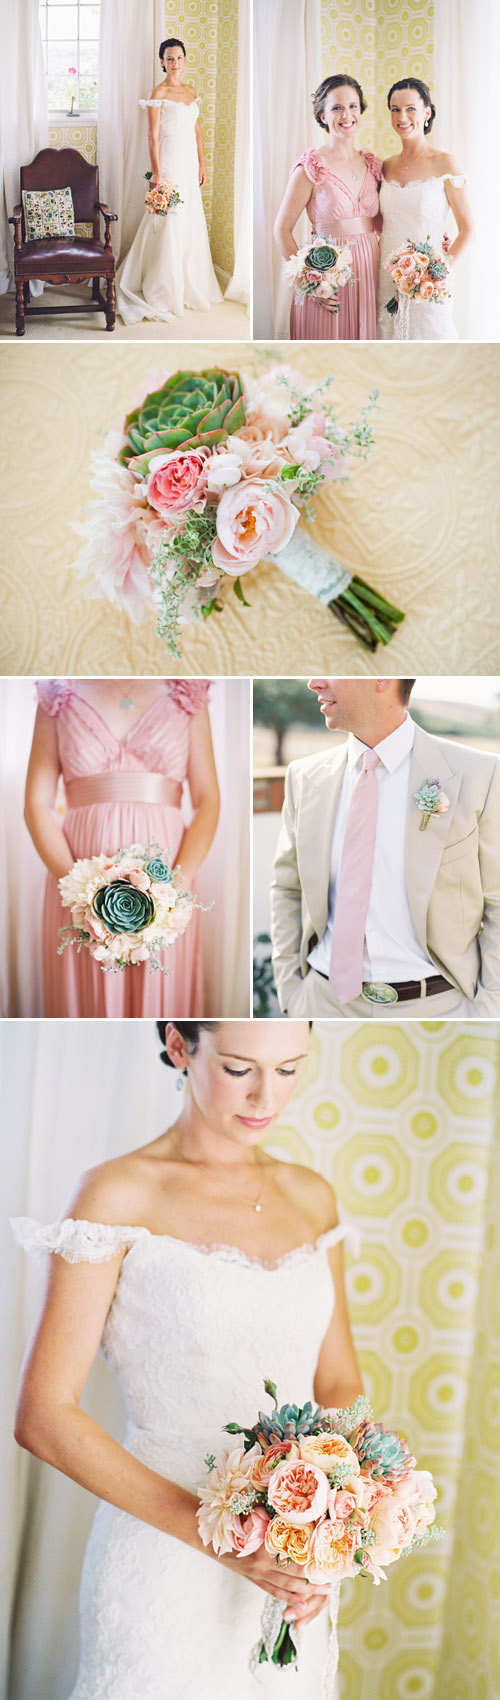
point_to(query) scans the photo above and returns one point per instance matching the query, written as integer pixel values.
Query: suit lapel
(424, 849)
(316, 819)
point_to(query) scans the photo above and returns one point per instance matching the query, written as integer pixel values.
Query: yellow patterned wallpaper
(209, 30)
(82, 136)
(404, 1124)
(378, 41)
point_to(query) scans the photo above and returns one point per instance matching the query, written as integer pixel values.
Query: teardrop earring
(180, 1081)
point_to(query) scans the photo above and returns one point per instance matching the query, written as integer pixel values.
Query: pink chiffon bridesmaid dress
(121, 792)
(348, 217)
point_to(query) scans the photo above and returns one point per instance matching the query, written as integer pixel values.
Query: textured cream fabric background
(420, 519)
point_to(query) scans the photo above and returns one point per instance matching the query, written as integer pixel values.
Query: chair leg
(20, 320)
(110, 304)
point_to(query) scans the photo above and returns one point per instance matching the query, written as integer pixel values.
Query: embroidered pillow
(48, 212)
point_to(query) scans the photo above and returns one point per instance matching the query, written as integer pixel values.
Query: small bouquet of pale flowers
(163, 198)
(329, 1490)
(208, 475)
(320, 270)
(420, 274)
(125, 908)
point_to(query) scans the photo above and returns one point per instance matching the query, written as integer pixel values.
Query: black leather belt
(404, 989)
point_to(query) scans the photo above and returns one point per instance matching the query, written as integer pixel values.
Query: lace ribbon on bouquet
(312, 568)
(271, 1623)
(402, 319)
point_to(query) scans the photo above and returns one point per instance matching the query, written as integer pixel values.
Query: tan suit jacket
(452, 869)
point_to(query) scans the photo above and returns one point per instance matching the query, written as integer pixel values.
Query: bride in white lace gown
(230, 1271)
(418, 187)
(169, 266)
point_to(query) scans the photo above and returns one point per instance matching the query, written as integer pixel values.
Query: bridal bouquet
(330, 1490)
(320, 270)
(420, 274)
(208, 475)
(125, 908)
(162, 199)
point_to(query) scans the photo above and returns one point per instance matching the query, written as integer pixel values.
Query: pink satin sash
(124, 787)
(346, 227)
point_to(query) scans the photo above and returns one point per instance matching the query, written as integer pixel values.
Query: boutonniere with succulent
(431, 800)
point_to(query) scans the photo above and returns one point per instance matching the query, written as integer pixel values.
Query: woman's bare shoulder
(158, 93)
(113, 1193)
(314, 1195)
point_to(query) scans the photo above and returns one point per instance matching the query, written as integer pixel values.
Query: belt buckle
(377, 991)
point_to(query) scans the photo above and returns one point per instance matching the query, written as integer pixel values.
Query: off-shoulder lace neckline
(229, 1253)
(440, 177)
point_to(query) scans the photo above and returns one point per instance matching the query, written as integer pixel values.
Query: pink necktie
(353, 886)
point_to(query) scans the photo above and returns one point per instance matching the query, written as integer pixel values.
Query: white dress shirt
(392, 953)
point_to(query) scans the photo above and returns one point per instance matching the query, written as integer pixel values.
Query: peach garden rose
(252, 520)
(289, 1540)
(298, 1491)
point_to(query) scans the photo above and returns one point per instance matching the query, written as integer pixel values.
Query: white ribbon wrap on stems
(271, 1623)
(303, 561)
(402, 319)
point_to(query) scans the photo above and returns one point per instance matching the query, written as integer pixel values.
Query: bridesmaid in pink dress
(123, 783)
(337, 186)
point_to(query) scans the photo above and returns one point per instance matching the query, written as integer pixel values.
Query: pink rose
(393, 1524)
(264, 1466)
(177, 481)
(333, 1549)
(417, 1491)
(341, 1504)
(298, 1492)
(138, 878)
(253, 520)
(426, 288)
(308, 445)
(249, 1531)
(139, 953)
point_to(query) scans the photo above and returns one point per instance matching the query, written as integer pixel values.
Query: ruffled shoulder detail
(458, 182)
(190, 694)
(374, 164)
(313, 165)
(53, 694)
(76, 1241)
(343, 1231)
(151, 103)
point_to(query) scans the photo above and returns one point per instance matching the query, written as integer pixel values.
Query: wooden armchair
(65, 259)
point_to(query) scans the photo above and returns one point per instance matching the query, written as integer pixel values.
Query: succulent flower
(158, 870)
(123, 908)
(381, 1453)
(192, 409)
(288, 1423)
(321, 257)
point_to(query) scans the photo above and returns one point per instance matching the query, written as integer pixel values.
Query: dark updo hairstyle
(422, 90)
(189, 1031)
(325, 88)
(173, 41)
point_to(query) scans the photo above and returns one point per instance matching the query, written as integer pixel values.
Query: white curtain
(466, 62)
(130, 32)
(225, 874)
(287, 67)
(23, 114)
(239, 287)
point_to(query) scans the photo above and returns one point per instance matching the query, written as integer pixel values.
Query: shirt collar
(391, 750)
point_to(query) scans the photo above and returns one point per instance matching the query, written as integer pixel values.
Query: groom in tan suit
(381, 908)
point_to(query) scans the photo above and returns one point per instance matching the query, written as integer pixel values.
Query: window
(70, 35)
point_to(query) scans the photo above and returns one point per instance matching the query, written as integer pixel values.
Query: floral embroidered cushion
(48, 212)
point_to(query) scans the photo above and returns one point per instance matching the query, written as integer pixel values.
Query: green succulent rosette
(158, 870)
(192, 410)
(321, 257)
(122, 908)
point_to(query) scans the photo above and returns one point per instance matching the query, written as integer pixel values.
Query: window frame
(57, 114)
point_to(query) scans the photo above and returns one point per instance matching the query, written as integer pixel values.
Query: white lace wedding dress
(191, 1335)
(414, 212)
(169, 266)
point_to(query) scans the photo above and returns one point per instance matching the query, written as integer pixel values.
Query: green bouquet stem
(284, 1652)
(372, 619)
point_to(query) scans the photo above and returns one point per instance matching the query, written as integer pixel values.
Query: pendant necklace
(254, 1205)
(126, 702)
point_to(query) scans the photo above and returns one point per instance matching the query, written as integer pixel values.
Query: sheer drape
(287, 67)
(130, 32)
(224, 875)
(239, 287)
(466, 60)
(23, 114)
